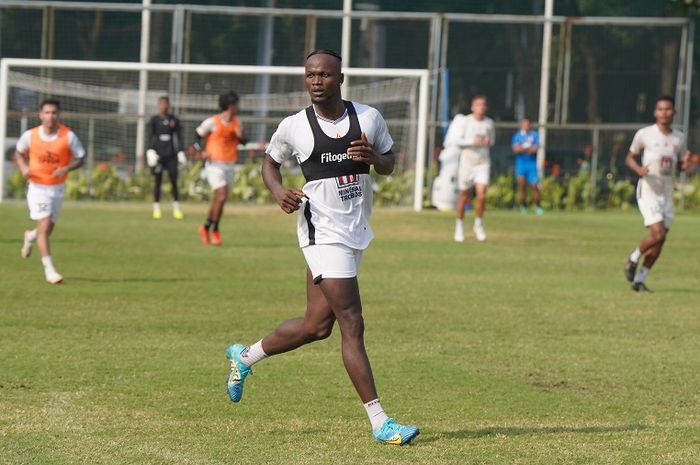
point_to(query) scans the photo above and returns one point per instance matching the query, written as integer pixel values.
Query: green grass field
(527, 349)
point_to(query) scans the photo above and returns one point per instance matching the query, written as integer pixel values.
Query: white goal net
(108, 103)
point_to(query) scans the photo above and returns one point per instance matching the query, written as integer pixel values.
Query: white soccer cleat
(479, 232)
(52, 277)
(27, 246)
(459, 234)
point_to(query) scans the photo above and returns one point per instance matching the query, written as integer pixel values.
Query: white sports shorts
(332, 261)
(472, 172)
(655, 208)
(44, 201)
(220, 174)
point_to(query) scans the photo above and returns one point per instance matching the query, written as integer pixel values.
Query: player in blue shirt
(525, 144)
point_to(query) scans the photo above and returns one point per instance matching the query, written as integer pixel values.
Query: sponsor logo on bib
(348, 186)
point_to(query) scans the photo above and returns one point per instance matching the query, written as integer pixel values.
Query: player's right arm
(200, 136)
(277, 152)
(634, 151)
(22, 154)
(517, 148)
(289, 200)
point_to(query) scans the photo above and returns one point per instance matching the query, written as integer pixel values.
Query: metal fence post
(594, 165)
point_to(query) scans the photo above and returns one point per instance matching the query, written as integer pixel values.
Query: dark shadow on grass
(518, 431)
(676, 291)
(127, 280)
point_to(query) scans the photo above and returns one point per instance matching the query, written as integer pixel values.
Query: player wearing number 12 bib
(662, 149)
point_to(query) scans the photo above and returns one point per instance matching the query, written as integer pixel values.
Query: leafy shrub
(568, 193)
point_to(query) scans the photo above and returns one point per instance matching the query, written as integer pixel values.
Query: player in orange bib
(222, 132)
(45, 154)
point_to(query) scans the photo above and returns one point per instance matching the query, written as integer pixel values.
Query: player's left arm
(685, 161)
(78, 157)
(491, 135)
(361, 150)
(240, 133)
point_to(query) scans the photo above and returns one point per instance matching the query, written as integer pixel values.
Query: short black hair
(50, 101)
(164, 97)
(227, 99)
(480, 96)
(325, 51)
(665, 98)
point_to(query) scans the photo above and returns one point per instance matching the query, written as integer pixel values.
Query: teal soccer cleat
(393, 433)
(237, 372)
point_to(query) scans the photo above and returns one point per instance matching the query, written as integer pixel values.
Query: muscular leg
(480, 200)
(521, 191)
(217, 203)
(343, 296)
(158, 181)
(316, 324)
(172, 174)
(44, 227)
(461, 202)
(651, 245)
(536, 197)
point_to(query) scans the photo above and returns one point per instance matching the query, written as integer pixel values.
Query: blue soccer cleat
(237, 372)
(393, 433)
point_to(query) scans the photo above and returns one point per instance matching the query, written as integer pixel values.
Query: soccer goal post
(107, 104)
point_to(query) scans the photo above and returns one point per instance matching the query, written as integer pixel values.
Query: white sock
(156, 206)
(48, 264)
(253, 354)
(176, 205)
(459, 224)
(32, 235)
(376, 414)
(641, 275)
(635, 255)
(477, 222)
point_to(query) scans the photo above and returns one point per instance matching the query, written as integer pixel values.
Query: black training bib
(329, 157)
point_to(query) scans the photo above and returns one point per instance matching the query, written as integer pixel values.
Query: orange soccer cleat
(215, 238)
(204, 234)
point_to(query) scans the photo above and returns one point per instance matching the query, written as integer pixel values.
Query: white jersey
(464, 130)
(338, 189)
(661, 154)
(73, 142)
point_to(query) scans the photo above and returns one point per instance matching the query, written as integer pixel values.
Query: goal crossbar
(421, 74)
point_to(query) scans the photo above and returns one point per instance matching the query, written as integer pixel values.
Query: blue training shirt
(526, 139)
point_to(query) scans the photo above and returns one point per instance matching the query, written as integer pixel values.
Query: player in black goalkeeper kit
(165, 151)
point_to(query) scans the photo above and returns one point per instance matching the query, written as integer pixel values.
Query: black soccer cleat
(630, 270)
(641, 287)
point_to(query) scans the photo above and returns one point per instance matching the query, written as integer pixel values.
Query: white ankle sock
(32, 235)
(459, 224)
(477, 222)
(253, 354)
(156, 206)
(641, 275)
(48, 264)
(376, 414)
(635, 255)
(176, 205)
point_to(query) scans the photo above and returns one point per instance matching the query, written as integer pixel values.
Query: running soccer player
(476, 137)
(335, 142)
(662, 148)
(164, 153)
(223, 132)
(525, 144)
(45, 154)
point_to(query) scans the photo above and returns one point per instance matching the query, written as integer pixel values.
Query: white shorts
(44, 201)
(220, 174)
(656, 208)
(332, 261)
(472, 172)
